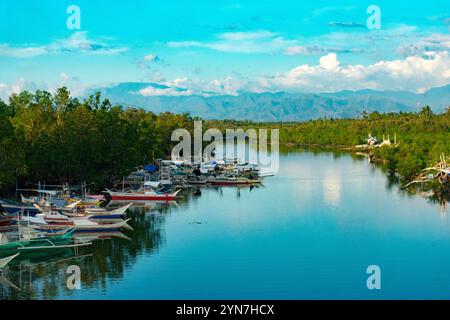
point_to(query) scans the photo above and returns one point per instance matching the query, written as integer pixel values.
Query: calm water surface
(308, 232)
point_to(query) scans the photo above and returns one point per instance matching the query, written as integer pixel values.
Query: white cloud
(179, 82)
(169, 91)
(296, 50)
(227, 86)
(252, 35)
(434, 42)
(3, 91)
(263, 41)
(240, 42)
(329, 61)
(16, 87)
(414, 73)
(63, 77)
(77, 42)
(318, 50)
(151, 57)
(7, 51)
(185, 86)
(323, 10)
(379, 43)
(75, 86)
(347, 24)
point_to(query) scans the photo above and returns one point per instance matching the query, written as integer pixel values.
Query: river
(308, 232)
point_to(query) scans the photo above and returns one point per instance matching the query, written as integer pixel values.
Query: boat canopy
(151, 168)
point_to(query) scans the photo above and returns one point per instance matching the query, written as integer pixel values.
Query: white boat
(83, 226)
(5, 261)
(29, 200)
(89, 212)
(53, 220)
(102, 211)
(146, 195)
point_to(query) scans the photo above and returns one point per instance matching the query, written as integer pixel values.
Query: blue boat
(13, 207)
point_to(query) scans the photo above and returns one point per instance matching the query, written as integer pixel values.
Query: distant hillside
(279, 106)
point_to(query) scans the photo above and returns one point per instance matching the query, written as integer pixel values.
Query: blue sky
(225, 47)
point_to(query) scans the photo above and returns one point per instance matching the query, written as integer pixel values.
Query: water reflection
(42, 275)
(274, 214)
(332, 188)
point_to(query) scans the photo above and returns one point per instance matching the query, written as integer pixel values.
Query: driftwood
(439, 172)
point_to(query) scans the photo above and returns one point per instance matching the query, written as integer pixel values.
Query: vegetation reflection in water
(43, 275)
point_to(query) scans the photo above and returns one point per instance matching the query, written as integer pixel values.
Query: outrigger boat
(89, 212)
(33, 241)
(84, 226)
(12, 207)
(54, 221)
(197, 181)
(97, 211)
(146, 195)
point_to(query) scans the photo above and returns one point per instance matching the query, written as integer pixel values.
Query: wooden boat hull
(5, 222)
(234, 183)
(197, 182)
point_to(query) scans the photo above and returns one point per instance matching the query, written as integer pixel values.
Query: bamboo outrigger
(33, 243)
(5, 261)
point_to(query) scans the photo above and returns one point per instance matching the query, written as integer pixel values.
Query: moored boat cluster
(44, 226)
(164, 180)
(58, 219)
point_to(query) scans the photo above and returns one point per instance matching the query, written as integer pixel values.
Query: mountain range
(279, 106)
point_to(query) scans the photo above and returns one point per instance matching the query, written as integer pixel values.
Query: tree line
(421, 137)
(57, 138)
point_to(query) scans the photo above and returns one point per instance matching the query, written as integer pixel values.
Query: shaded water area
(311, 231)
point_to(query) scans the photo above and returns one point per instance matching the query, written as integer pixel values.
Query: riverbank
(433, 189)
(58, 139)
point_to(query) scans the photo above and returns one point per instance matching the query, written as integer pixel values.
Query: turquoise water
(309, 232)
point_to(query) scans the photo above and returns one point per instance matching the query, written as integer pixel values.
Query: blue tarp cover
(150, 168)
